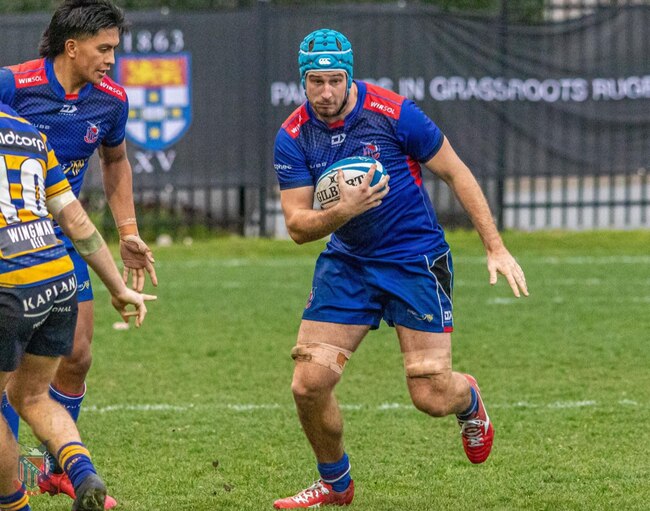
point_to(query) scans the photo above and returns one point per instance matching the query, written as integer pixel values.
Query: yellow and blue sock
(473, 407)
(75, 460)
(18, 501)
(10, 415)
(337, 474)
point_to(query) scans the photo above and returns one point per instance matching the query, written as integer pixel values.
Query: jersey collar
(58, 88)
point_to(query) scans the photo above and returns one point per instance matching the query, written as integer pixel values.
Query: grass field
(194, 411)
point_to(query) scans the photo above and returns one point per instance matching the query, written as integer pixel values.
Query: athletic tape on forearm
(89, 245)
(56, 204)
(127, 227)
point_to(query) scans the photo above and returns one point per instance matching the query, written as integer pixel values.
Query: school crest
(158, 87)
(371, 149)
(92, 133)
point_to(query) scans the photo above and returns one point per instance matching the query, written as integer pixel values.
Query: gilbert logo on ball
(354, 170)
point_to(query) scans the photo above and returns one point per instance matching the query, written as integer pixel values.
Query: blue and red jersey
(75, 124)
(30, 253)
(391, 129)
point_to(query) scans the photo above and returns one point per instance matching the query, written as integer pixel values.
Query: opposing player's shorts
(39, 320)
(84, 286)
(351, 290)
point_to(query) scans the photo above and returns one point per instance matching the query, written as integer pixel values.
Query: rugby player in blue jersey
(68, 96)
(387, 257)
(38, 304)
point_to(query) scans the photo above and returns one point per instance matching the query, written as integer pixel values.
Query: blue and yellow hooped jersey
(30, 253)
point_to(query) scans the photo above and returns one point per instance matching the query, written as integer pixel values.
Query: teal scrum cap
(325, 50)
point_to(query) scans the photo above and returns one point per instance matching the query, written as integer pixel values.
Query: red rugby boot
(477, 431)
(54, 484)
(317, 495)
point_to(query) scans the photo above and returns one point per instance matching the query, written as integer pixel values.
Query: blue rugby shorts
(351, 290)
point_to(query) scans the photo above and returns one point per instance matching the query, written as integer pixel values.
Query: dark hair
(78, 19)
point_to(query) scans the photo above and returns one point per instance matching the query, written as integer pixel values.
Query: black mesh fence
(547, 102)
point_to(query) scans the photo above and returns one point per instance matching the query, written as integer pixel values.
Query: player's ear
(70, 48)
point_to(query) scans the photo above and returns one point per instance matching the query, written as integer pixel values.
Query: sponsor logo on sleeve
(12, 139)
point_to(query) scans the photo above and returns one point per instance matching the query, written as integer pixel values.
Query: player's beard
(331, 110)
(326, 111)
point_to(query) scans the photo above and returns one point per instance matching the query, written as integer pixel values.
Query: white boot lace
(473, 430)
(310, 493)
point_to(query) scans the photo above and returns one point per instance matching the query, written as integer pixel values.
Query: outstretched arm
(118, 186)
(74, 221)
(450, 168)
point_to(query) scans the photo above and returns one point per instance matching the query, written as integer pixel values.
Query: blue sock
(10, 415)
(19, 501)
(473, 406)
(75, 460)
(337, 474)
(72, 403)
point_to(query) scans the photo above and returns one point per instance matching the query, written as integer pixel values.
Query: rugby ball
(354, 170)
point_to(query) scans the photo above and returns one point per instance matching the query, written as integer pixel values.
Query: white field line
(137, 408)
(384, 407)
